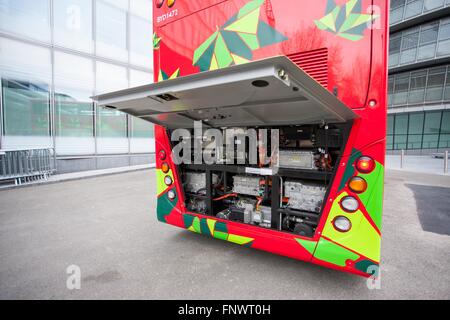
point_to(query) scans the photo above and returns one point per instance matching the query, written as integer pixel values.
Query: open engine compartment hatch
(267, 92)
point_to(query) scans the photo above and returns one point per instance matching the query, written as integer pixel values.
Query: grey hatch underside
(252, 94)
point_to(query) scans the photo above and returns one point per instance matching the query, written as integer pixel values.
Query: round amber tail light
(165, 167)
(162, 154)
(357, 184)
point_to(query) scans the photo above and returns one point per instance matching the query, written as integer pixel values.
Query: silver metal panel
(227, 97)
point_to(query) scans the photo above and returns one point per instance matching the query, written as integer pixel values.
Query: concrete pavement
(107, 226)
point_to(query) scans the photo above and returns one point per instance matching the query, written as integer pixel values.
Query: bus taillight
(357, 184)
(349, 204)
(365, 164)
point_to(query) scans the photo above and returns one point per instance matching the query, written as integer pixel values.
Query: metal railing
(29, 165)
(443, 155)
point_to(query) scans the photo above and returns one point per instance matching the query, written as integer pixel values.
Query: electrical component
(262, 217)
(248, 185)
(297, 225)
(244, 210)
(247, 206)
(342, 224)
(162, 154)
(196, 205)
(297, 160)
(304, 196)
(349, 204)
(196, 181)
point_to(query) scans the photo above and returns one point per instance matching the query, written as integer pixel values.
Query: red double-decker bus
(313, 75)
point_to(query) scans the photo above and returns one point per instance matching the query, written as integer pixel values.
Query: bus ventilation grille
(314, 63)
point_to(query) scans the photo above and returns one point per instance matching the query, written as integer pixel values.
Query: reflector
(342, 224)
(168, 180)
(349, 204)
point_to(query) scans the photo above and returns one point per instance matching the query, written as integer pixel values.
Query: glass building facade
(419, 76)
(54, 56)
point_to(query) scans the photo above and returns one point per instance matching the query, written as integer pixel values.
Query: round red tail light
(365, 164)
(162, 154)
(159, 3)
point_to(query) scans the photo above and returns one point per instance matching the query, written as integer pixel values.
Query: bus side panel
(281, 27)
(360, 247)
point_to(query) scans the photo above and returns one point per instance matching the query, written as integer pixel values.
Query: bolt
(282, 74)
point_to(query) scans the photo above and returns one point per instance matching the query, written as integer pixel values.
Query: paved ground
(107, 226)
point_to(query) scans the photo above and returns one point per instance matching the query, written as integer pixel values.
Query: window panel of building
(444, 139)
(432, 4)
(110, 77)
(432, 122)
(111, 123)
(400, 141)
(140, 78)
(417, 87)
(26, 18)
(413, 8)
(415, 125)
(390, 142)
(401, 87)
(420, 43)
(390, 124)
(401, 124)
(396, 12)
(427, 41)
(425, 130)
(111, 26)
(26, 79)
(26, 108)
(121, 4)
(141, 8)
(409, 47)
(435, 84)
(141, 128)
(390, 89)
(141, 43)
(415, 130)
(414, 141)
(73, 24)
(444, 39)
(394, 50)
(74, 84)
(447, 86)
(430, 141)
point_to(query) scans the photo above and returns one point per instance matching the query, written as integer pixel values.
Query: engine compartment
(284, 191)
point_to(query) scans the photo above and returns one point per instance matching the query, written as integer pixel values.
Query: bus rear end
(270, 124)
